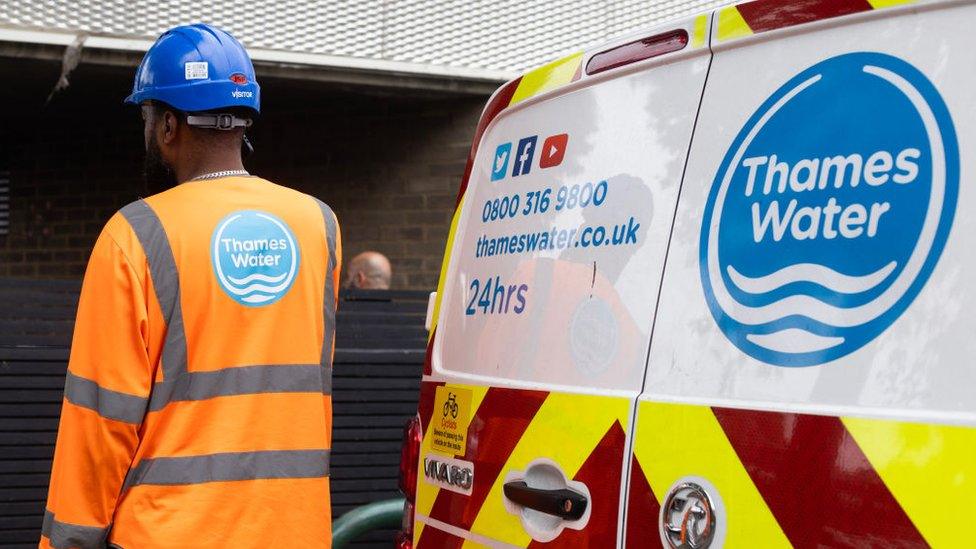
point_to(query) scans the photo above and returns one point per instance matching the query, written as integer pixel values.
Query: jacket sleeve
(105, 399)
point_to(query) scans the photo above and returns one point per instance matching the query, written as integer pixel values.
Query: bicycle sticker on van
(830, 210)
(450, 421)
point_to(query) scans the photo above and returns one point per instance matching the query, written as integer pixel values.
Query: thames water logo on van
(830, 210)
(255, 257)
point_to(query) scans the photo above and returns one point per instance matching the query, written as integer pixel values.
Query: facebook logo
(500, 164)
(523, 156)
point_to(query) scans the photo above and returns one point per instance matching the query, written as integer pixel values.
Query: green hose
(374, 516)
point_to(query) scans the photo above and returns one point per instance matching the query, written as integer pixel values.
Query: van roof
(731, 22)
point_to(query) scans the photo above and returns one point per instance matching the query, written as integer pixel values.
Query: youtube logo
(553, 150)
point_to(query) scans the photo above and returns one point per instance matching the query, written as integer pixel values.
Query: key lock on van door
(546, 501)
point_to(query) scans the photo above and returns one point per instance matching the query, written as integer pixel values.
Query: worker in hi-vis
(197, 409)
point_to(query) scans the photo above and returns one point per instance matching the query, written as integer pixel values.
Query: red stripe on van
(601, 474)
(643, 511)
(764, 15)
(495, 430)
(579, 72)
(432, 538)
(497, 103)
(817, 482)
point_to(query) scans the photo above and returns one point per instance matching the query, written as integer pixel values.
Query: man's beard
(159, 176)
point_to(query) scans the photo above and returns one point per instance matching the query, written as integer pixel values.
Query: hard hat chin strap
(217, 121)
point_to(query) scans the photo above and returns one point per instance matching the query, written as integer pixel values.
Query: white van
(714, 285)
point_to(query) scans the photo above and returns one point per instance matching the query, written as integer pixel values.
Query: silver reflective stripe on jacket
(329, 302)
(64, 535)
(229, 466)
(165, 278)
(238, 380)
(106, 402)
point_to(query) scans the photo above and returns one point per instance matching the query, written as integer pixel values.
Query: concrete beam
(375, 74)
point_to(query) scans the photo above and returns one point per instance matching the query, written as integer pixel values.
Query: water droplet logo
(255, 257)
(830, 210)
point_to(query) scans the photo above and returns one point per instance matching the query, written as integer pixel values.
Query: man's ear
(169, 128)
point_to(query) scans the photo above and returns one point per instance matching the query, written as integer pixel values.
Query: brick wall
(390, 169)
(389, 166)
(66, 181)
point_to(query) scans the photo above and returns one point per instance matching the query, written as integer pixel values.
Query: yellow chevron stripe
(930, 469)
(447, 260)
(881, 4)
(547, 77)
(731, 24)
(418, 528)
(700, 35)
(426, 492)
(566, 430)
(677, 440)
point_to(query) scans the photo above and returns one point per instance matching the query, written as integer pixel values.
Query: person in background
(369, 271)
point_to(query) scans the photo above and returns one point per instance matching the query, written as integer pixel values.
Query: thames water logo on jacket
(830, 210)
(255, 257)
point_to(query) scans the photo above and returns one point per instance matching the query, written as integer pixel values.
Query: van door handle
(563, 503)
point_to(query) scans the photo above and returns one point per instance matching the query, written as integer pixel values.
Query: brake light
(409, 456)
(413, 436)
(638, 50)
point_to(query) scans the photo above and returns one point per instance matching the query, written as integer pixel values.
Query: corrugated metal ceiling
(496, 35)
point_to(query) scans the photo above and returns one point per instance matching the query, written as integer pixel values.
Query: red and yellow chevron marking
(764, 15)
(806, 480)
(674, 441)
(930, 470)
(510, 428)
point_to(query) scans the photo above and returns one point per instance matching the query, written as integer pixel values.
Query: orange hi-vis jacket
(197, 408)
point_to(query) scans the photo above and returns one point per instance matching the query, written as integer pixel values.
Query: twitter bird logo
(500, 164)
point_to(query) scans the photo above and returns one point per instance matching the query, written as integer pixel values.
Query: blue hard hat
(197, 68)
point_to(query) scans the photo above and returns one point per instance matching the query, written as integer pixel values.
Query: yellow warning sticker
(449, 424)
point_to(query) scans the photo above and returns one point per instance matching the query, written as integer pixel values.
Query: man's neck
(209, 165)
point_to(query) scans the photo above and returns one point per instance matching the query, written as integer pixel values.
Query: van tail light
(409, 463)
(638, 50)
(409, 456)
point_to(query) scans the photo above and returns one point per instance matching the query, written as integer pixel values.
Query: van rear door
(810, 379)
(547, 299)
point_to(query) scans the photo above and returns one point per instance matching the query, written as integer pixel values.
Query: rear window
(560, 245)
